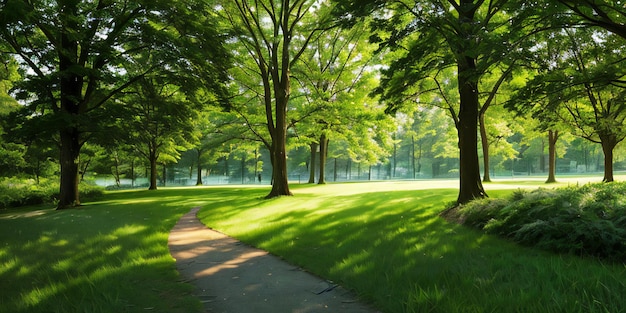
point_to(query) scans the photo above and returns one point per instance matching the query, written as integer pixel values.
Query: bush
(15, 192)
(589, 220)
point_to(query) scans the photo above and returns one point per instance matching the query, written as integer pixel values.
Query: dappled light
(385, 242)
(405, 117)
(230, 264)
(380, 242)
(103, 257)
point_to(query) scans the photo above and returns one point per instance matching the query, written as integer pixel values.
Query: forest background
(147, 94)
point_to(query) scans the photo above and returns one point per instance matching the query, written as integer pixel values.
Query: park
(419, 155)
(382, 240)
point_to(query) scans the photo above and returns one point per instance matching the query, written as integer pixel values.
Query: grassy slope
(108, 256)
(383, 240)
(392, 249)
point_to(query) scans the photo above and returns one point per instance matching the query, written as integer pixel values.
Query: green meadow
(383, 240)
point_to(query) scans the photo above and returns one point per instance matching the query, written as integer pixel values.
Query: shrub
(15, 192)
(589, 220)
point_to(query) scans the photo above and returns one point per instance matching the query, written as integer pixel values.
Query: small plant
(16, 192)
(589, 220)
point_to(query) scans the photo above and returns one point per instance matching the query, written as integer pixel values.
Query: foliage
(589, 220)
(15, 192)
(270, 38)
(472, 40)
(76, 56)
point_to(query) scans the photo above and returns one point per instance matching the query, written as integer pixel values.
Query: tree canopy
(404, 88)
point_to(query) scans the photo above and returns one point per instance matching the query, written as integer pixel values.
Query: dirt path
(233, 277)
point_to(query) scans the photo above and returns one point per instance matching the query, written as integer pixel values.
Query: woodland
(309, 91)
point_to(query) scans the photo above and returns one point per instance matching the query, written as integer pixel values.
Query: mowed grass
(392, 249)
(382, 240)
(107, 256)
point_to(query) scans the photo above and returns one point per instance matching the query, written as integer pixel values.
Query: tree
(160, 127)
(500, 127)
(11, 153)
(553, 136)
(474, 37)
(604, 14)
(582, 87)
(335, 75)
(76, 53)
(275, 34)
(214, 129)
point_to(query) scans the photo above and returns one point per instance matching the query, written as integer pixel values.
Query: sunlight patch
(129, 230)
(113, 250)
(63, 265)
(8, 265)
(24, 215)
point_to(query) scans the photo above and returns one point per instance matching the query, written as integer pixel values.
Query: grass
(382, 240)
(108, 256)
(392, 249)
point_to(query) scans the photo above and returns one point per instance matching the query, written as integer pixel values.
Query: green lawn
(386, 242)
(108, 256)
(383, 240)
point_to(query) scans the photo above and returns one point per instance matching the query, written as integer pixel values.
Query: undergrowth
(15, 192)
(587, 220)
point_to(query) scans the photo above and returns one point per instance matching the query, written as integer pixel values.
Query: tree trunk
(256, 166)
(553, 136)
(312, 166)
(395, 159)
(323, 157)
(116, 170)
(281, 83)
(413, 157)
(470, 183)
(164, 174)
(199, 170)
(419, 159)
(542, 159)
(69, 160)
(153, 171)
(243, 170)
(280, 184)
(83, 169)
(132, 172)
(71, 85)
(335, 171)
(485, 145)
(608, 144)
(278, 149)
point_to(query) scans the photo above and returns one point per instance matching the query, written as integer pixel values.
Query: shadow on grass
(389, 246)
(107, 256)
(394, 251)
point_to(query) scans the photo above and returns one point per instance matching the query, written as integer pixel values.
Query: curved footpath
(231, 277)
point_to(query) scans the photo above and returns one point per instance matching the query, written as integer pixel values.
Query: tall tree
(160, 126)
(335, 76)
(275, 35)
(583, 87)
(76, 52)
(473, 36)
